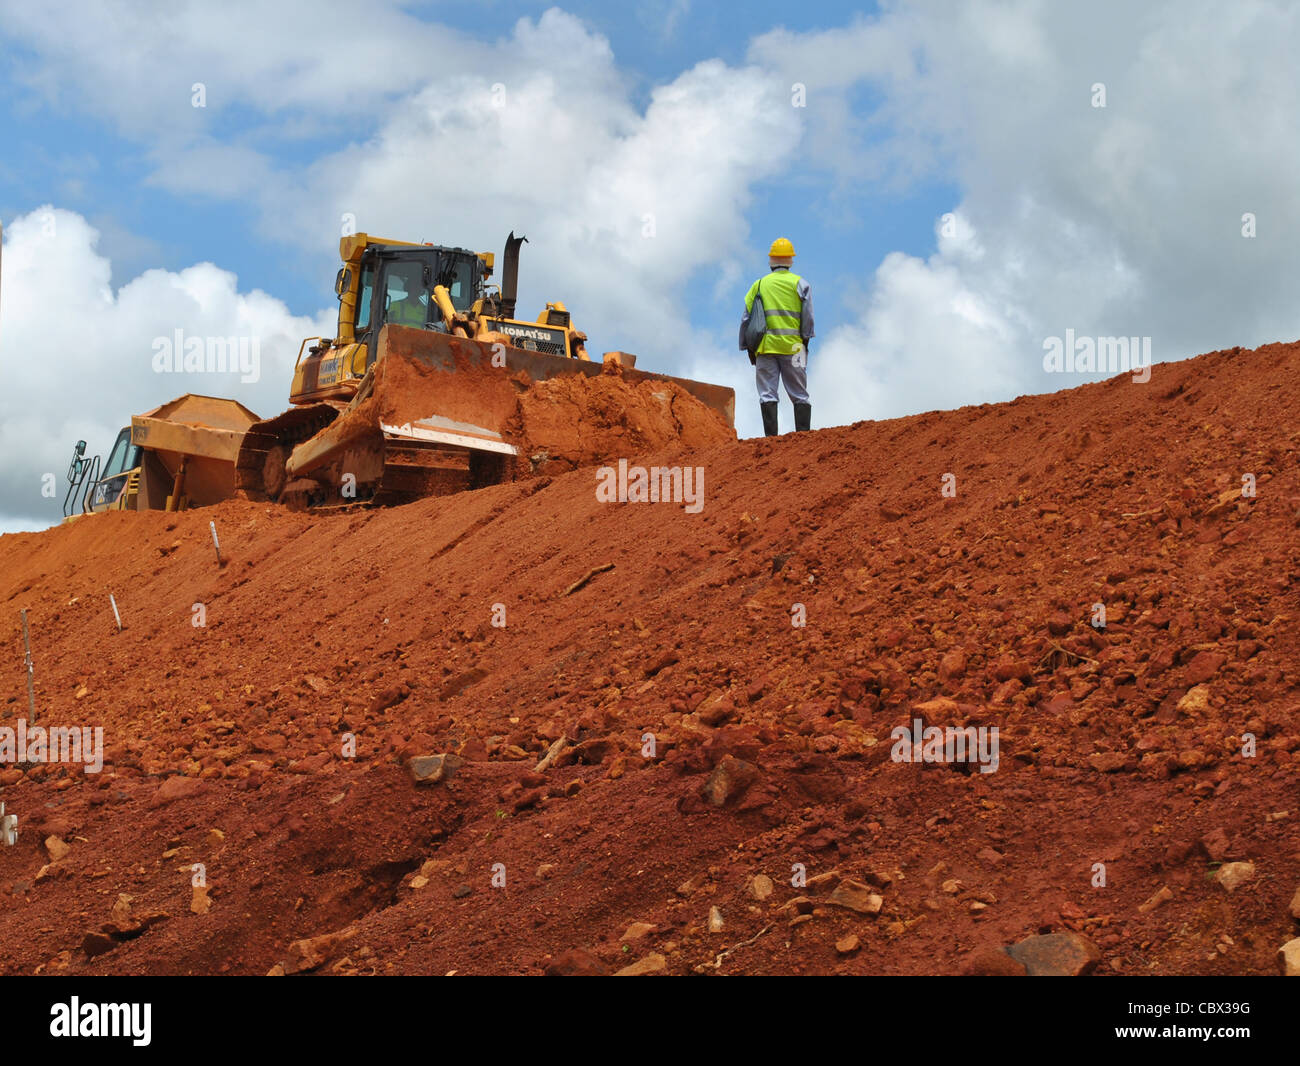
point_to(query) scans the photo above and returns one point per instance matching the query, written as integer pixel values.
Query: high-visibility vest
(783, 309)
(407, 311)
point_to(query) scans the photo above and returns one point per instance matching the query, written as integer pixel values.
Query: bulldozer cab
(420, 286)
(382, 283)
(113, 489)
(397, 286)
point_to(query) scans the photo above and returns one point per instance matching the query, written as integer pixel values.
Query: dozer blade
(437, 430)
(488, 397)
(432, 416)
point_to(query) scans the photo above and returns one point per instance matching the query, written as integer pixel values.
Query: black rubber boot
(802, 416)
(769, 418)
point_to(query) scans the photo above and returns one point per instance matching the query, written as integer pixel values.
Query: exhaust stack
(510, 275)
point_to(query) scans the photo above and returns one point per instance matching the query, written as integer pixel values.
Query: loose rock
(315, 951)
(990, 960)
(636, 931)
(856, 897)
(175, 788)
(730, 780)
(1215, 845)
(1056, 955)
(430, 769)
(1232, 875)
(97, 943)
(651, 964)
(1196, 701)
(1163, 896)
(56, 848)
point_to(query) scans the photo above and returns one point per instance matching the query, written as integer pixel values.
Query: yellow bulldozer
(409, 399)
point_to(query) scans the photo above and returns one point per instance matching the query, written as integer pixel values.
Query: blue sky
(958, 193)
(63, 156)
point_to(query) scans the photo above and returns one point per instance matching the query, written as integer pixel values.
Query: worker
(405, 309)
(777, 339)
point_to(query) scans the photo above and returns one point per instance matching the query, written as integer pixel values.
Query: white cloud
(268, 74)
(22, 525)
(135, 64)
(626, 209)
(1116, 221)
(78, 355)
(883, 365)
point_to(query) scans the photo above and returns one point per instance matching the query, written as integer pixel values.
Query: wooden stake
(587, 577)
(27, 662)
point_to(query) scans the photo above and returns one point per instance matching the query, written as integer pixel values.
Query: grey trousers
(773, 370)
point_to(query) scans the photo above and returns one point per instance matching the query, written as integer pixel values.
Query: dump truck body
(181, 454)
(193, 443)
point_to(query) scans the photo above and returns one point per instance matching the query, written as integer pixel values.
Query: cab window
(124, 455)
(404, 288)
(459, 279)
(367, 296)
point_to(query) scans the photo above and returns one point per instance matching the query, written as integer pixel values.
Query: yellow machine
(179, 455)
(427, 287)
(409, 399)
(432, 307)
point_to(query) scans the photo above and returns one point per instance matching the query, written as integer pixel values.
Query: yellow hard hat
(781, 247)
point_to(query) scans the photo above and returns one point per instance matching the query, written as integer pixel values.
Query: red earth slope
(224, 743)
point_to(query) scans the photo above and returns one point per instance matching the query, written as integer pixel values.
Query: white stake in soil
(27, 662)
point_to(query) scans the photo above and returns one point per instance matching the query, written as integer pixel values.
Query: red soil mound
(709, 746)
(569, 422)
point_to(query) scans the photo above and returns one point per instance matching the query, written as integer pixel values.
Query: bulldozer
(410, 398)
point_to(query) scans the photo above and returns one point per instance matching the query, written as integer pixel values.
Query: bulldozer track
(275, 438)
(412, 469)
